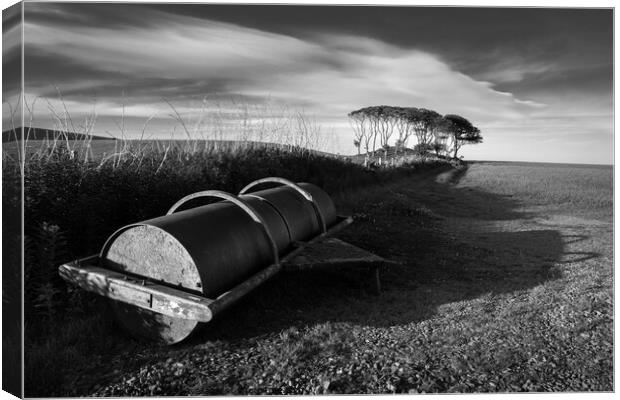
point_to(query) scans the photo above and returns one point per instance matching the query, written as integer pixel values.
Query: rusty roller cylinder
(209, 249)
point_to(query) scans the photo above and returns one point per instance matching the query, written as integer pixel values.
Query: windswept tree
(427, 123)
(372, 123)
(438, 147)
(433, 131)
(388, 118)
(358, 121)
(461, 131)
(441, 137)
(366, 126)
(404, 126)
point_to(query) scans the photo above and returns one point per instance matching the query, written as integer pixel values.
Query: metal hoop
(299, 189)
(239, 203)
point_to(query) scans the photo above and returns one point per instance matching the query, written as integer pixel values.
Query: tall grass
(209, 126)
(76, 195)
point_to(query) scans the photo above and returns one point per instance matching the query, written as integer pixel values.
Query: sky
(537, 82)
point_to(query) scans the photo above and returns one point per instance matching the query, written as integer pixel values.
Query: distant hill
(43, 134)
(221, 144)
(107, 145)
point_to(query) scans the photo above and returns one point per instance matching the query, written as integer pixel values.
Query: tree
(365, 122)
(399, 144)
(357, 119)
(388, 118)
(357, 145)
(461, 131)
(422, 149)
(374, 122)
(404, 126)
(440, 144)
(438, 147)
(431, 129)
(427, 124)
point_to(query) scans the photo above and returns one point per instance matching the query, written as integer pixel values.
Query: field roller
(165, 277)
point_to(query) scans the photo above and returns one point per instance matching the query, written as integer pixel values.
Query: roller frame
(168, 300)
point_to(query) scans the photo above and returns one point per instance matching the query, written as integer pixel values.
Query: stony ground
(498, 290)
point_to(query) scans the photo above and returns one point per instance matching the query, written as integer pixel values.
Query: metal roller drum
(323, 202)
(306, 208)
(209, 249)
(206, 250)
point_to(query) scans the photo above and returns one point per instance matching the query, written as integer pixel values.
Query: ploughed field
(505, 284)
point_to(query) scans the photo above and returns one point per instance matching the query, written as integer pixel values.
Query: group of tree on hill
(441, 134)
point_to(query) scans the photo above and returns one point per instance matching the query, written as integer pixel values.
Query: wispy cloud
(509, 72)
(214, 56)
(132, 67)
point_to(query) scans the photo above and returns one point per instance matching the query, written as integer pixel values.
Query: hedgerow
(71, 205)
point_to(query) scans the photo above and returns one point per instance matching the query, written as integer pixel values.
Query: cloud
(180, 48)
(516, 73)
(348, 72)
(183, 59)
(11, 56)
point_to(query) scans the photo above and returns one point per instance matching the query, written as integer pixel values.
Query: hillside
(47, 134)
(38, 139)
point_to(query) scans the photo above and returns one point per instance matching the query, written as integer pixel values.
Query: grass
(501, 287)
(73, 203)
(12, 349)
(578, 187)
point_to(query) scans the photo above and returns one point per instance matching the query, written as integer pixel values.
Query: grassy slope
(505, 285)
(37, 134)
(102, 146)
(107, 146)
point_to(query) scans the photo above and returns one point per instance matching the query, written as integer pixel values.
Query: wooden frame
(88, 274)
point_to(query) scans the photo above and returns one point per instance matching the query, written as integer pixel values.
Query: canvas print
(251, 199)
